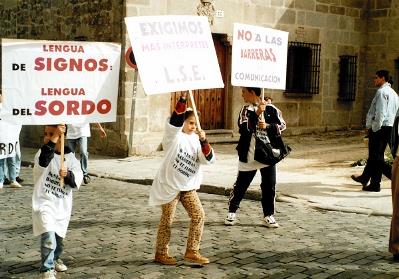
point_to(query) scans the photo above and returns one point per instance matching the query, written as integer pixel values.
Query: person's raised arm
(177, 118)
(48, 149)
(102, 131)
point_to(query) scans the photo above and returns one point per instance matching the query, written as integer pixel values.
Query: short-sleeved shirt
(76, 131)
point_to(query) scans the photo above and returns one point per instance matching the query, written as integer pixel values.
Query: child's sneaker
(195, 257)
(230, 219)
(60, 266)
(270, 222)
(165, 259)
(15, 184)
(86, 179)
(49, 274)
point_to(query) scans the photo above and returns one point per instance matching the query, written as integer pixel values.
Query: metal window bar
(303, 68)
(347, 78)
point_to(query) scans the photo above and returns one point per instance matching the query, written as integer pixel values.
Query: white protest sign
(50, 82)
(174, 53)
(259, 57)
(9, 139)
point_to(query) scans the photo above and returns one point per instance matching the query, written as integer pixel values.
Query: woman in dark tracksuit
(248, 121)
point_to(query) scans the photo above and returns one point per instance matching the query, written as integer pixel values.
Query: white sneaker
(49, 274)
(15, 184)
(60, 266)
(230, 219)
(1, 185)
(270, 222)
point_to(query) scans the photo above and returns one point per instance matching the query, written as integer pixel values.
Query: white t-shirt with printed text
(181, 168)
(51, 204)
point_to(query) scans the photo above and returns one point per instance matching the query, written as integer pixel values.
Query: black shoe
(372, 188)
(6, 181)
(359, 180)
(86, 179)
(395, 257)
(19, 179)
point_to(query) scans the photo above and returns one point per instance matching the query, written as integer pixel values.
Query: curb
(249, 195)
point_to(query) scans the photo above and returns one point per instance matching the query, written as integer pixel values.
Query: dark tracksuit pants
(375, 163)
(268, 187)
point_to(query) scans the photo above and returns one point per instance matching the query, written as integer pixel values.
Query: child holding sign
(51, 202)
(248, 121)
(9, 142)
(177, 180)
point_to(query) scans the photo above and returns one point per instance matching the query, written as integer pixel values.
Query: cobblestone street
(112, 235)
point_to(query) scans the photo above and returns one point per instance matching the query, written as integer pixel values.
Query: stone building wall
(97, 20)
(382, 44)
(340, 26)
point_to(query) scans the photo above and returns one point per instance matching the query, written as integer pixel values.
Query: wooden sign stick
(62, 158)
(195, 110)
(262, 116)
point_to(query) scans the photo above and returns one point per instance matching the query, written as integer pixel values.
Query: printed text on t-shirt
(52, 186)
(185, 163)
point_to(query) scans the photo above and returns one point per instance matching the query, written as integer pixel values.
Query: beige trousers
(193, 206)
(394, 234)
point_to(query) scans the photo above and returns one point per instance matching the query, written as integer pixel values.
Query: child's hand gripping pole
(195, 111)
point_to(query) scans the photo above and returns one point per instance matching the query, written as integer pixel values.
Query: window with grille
(303, 68)
(347, 78)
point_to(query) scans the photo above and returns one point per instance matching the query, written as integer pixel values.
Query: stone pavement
(317, 173)
(112, 234)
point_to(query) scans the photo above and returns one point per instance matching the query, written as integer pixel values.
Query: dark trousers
(268, 187)
(375, 163)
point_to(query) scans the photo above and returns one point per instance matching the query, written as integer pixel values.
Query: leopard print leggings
(193, 206)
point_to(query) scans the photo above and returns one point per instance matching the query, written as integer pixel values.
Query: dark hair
(268, 98)
(56, 125)
(256, 90)
(188, 113)
(384, 74)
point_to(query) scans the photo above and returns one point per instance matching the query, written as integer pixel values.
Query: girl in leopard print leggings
(180, 175)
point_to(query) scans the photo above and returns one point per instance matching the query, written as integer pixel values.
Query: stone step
(219, 132)
(221, 136)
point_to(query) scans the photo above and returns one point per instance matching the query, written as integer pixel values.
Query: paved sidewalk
(112, 235)
(317, 173)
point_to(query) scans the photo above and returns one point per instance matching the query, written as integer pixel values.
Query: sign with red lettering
(9, 138)
(174, 53)
(50, 82)
(259, 57)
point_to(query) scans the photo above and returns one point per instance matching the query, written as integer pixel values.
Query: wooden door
(210, 102)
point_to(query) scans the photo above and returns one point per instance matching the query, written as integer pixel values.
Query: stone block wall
(149, 113)
(382, 44)
(97, 20)
(340, 26)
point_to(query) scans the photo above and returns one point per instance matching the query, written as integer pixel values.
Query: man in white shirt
(77, 134)
(379, 122)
